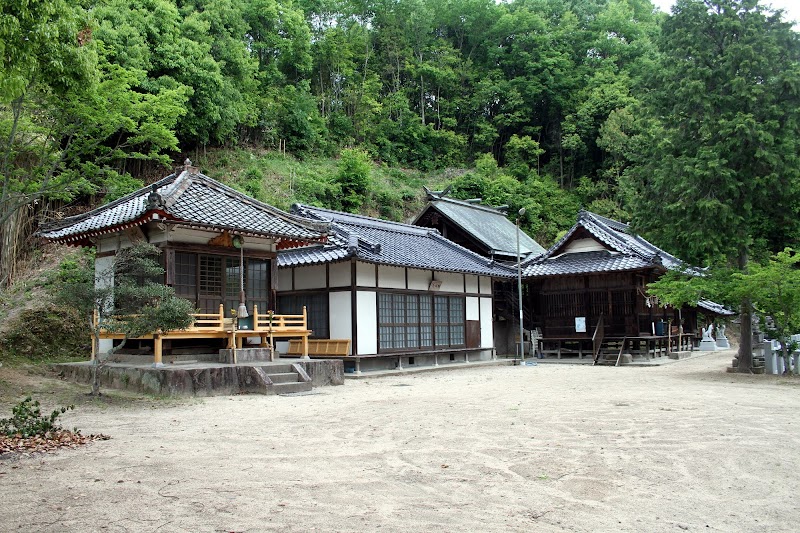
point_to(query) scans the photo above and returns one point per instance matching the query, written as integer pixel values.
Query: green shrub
(46, 334)
(27, 420)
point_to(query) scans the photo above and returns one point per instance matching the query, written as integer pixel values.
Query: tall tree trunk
(13, 232)
(422, 99)
(746, 333)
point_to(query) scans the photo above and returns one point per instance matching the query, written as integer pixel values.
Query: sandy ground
(682, 447)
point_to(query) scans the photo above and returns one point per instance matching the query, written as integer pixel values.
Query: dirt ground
(681, 447)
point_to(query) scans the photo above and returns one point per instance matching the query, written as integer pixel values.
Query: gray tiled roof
(387, 243)
(626, 251)
(715, 308)
(188, 198)
(584, 263)
(489, 226)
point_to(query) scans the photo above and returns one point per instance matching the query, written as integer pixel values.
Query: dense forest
(685, 123)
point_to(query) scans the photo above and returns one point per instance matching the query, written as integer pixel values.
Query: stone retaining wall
(197, 380)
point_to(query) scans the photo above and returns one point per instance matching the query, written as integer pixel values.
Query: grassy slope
(395, 194)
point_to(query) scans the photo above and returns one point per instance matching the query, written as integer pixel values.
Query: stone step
(284, 377)
(278, 369)
(288, 388)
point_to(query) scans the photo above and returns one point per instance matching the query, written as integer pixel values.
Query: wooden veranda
(266, 326)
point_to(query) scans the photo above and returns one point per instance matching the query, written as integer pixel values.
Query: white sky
(791, 8)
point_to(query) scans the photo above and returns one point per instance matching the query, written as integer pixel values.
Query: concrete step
(287, 388)
(284, 377)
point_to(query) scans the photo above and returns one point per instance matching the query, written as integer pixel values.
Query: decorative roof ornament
(657, 259)
(154, 200)
(436, 195)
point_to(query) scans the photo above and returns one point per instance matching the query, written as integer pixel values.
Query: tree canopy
(718, 175)
(684, 123)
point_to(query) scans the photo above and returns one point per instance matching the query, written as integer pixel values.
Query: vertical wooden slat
(169, 266)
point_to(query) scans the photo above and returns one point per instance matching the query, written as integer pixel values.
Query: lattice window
(456, 321)
(414, 321)
(425, 321)
(210, 275)
(186, 276)
(257, 283)
(441, 317)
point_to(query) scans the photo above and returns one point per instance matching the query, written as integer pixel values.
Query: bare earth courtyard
(547, 448)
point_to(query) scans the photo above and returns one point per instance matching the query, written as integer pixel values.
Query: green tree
(73, 119)
(353, 178)
(721, 179)
(129, 298)
(45, 55)
(774, 288)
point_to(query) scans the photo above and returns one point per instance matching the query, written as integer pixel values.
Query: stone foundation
(245, 355)
(200, 379)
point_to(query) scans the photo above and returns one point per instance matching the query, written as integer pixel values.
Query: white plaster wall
(104, 277)
(472, 284)
(584, 245)
(157, 236)
(451, 282)
(110, 244)
(419, 280)
(485, 285)
(310, 277)
(365, 274)
(367, 322)
(192, 236)
(341, 321)
(391, 277)
(284, 279)
(472, 308)
(339, 274)
(487, 335)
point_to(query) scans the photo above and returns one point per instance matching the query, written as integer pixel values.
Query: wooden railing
(271, 321)
(211, 321)
(215, 325)
(597, 338)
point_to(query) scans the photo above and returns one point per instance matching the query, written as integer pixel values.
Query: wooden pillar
(169, 266)
(157, 350)
(273, 284)
(305, 337)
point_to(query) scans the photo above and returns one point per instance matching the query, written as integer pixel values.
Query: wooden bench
(320, 347)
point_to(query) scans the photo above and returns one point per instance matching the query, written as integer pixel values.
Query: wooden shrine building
(213, 240)
(392, 295)
(485, 230)
(592, 284)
